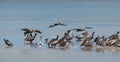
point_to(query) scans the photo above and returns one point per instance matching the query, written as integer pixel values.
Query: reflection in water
(8, 46)
(64, 48)
(112, 48)
(87, 49)
(102, 49)
(99, 50)
(57, 54)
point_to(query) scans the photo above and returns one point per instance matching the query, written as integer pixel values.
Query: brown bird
(52, 43)
(112, 39)
(88, 42)
(57, 24)
(26, 31)
(8, 43)
(68, 37)
(65, 44)
(29, 38)
(100, 41)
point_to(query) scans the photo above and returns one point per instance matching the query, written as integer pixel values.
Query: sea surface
(102, 15)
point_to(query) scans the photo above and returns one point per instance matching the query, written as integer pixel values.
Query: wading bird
(8, 42)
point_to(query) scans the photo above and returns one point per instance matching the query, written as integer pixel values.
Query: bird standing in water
(29, 39)
(8, 43)
(52, 43)
(88, 42)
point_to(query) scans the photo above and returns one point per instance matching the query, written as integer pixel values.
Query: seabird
(29, 39)
(8, 42)
(56, 24)
(88, 42)
(52, 43)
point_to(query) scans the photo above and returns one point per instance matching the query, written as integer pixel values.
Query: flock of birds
(85, 39)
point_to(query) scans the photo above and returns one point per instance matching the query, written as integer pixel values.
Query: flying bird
(57, 24)
(79, 29)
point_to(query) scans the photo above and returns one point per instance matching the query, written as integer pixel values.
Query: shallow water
(41, 55)
(102, 16)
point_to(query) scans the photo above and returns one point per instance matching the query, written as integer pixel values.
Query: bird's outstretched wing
(51, 26)
(37, 31)
(25, 29)
(57, 24)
